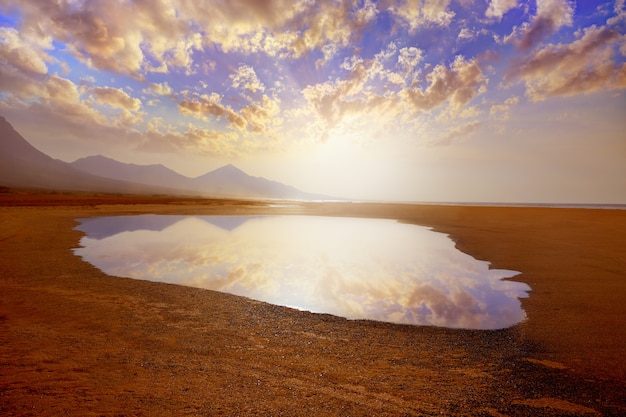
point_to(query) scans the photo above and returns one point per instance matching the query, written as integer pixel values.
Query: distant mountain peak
(227, 171)
(92, 158)
(229, 168)
(23, 165)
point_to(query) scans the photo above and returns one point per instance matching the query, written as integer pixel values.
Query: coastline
(76, 340)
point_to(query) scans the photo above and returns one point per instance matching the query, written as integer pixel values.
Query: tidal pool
(356, 268)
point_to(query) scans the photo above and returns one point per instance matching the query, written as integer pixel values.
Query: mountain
(231, 180)
(225, 181)
(22, 165)
(157, 175)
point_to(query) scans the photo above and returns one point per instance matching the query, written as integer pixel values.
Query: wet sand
(74, 341)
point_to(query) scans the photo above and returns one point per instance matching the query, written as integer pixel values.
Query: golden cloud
(257, 117)
(456, 85)
(332, 99)
(245, 77)
(203, 105)
(262, 116)
(115, 36)
(21, 54)
(135, 38)
(551, 16)
(502, 111)
(583, 66)
(417, 13)
(116, 97)
(161, 89)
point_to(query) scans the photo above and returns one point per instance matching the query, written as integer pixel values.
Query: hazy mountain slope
(22, 165)
(225, 181)
(145, 174)
(232, 180)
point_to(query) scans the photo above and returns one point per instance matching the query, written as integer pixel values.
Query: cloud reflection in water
(356, 268)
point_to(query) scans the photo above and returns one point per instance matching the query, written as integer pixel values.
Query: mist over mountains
(22, 165)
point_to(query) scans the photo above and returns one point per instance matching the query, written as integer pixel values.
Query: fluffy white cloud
(332, 100)
(118, 36)
(497, 8)
(21, 54)
(140, 37)
(409, 58)
(161, 89)
(417, 13)
(245, 77)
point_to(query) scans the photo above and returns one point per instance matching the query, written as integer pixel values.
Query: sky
(415, 100)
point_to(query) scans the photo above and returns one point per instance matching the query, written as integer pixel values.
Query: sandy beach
(74, 341)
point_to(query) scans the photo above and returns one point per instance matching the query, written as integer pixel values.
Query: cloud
(502, 111)
(162, 138)
(454, 133)
(137, 38)
(56, 94)
(245, 77)
(456, 85)
(160, 89)
(384, 88)
(409, 58)
(583, 66)
(117, 36)
(141, 37)
(417, 13)
(465, 33)
(280, 28)
(21, 78)
(262, 116)
(21, 54)
(331, 25)
(28, 86)
(551, 16)
(333, 100)
(211, 105)
(259, 116)
(497, 8)
(116, 97)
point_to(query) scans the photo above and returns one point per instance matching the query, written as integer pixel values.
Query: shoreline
(124, 343)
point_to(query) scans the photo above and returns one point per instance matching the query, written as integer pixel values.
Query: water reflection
(356, 268)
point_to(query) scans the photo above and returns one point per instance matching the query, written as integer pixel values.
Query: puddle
(356, 268)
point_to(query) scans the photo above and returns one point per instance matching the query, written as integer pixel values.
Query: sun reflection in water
(355, 268)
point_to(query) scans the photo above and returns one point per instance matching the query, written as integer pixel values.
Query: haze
(494, 100)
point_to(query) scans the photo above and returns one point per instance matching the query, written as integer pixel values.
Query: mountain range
(22, 165)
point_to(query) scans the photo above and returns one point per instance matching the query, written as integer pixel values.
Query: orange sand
(75, 341)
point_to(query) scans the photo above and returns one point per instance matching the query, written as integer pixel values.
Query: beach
(74, 341)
